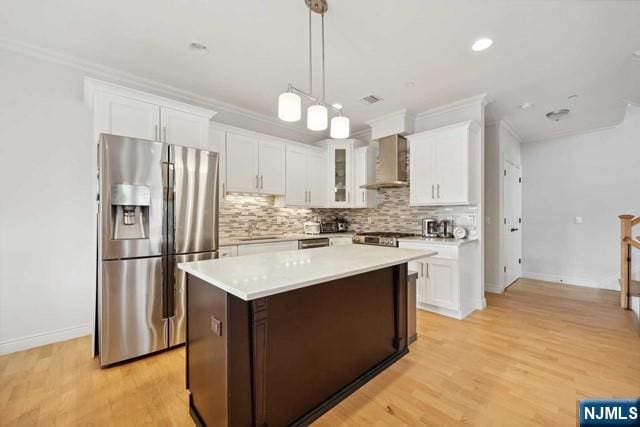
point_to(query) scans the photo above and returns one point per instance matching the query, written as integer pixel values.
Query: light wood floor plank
(526, 360)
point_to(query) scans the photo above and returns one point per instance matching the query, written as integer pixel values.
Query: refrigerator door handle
(170, 296)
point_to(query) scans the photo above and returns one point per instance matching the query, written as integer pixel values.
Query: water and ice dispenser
(130, 211)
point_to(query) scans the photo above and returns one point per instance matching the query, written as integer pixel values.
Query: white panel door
(296, 176)
(512, 234)
(184, 129)
(422, 189)
(119, 115)
(271, 167)
(452, 167)
(442, 283)
(317, 179)
(242, 164)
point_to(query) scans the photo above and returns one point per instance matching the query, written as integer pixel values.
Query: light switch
(577, 220)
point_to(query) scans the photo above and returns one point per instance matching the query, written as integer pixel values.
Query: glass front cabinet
(340, 158)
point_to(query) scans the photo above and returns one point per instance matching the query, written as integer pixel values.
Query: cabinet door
(242, 163)
(452, 167)
(422, 189)
(217, 143)
(317, 179)
(421, 281)
(119, 115)
(442, 283)
(359, 177)
(340, 241)
(296, 176)
(340, 169)
(271, 165)
(178, 127)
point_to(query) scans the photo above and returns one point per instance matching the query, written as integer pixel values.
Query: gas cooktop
(379, 238)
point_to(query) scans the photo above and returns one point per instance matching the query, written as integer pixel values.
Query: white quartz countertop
(437, 240)
(235, 241)
(255, 276)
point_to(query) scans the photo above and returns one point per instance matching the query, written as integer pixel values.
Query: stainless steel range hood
(392, 163)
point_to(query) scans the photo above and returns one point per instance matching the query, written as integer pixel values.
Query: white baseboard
(610, 283)
(37, 340)
(493, 288)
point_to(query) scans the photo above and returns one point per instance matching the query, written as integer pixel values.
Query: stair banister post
(625, 255)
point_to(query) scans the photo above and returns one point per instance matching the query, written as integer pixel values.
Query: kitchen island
(278, 339)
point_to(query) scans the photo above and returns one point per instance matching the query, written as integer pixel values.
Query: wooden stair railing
(628, 287)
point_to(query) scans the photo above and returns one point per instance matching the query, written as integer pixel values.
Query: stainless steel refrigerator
(158, 207)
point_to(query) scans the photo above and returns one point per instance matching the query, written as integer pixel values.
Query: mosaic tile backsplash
(393, 213)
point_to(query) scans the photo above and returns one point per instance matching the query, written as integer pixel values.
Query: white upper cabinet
(364, 172)
(439, 165)
(271, 165)
(119, 115)
(316, 179)
(305, 177)
(217, 143)
(128, 112)
(242, 164)
(340, 174)
(255, 166)
(178, 127)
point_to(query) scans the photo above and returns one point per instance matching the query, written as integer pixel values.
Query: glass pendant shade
(340, 127)
(317, 117)
(289, 107)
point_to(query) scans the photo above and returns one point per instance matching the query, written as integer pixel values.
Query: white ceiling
(544, 51)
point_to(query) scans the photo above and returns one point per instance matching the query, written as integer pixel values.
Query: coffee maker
(429, 227)
(445, 229)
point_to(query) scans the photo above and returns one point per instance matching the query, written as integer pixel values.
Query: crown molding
(393, 114)
(567, 133)
(482, 99)
(505, 124)
(142, 83)
(364, 133)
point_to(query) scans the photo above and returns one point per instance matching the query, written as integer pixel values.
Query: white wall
(595, 176)
(501, 144)
(46, 260)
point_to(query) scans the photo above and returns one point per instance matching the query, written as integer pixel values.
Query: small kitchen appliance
(342, 224)
(445, 229)
(429, 227)
(311, 227)
(328, 227)
(378, 238)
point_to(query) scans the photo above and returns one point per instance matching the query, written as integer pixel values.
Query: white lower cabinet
(446, 284)
(227, 251)
(340, 241)
(258, 248)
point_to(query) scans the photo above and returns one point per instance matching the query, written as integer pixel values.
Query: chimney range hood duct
(392, 163)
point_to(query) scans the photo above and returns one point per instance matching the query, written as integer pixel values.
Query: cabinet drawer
(444, 251)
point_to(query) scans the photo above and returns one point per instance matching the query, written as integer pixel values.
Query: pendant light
(290, 102)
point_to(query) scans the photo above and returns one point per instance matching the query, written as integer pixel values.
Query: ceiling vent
(558, 115)
(370, 99)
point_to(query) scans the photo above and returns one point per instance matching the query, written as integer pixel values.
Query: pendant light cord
(323, 74)
(310, 57)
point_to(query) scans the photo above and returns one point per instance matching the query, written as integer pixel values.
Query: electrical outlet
(369, 220)
(488, 220)
(577, 220)
(278, 220)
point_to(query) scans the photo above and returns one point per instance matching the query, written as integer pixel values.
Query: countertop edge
(231, 241)
(424, 240)
(286, 288)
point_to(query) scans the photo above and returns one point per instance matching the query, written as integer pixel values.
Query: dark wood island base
(288, 358)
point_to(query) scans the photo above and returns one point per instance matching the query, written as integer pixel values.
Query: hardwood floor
(525, 360)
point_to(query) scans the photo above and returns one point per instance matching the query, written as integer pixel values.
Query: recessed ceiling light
(558, 115)
(481, 44)
(526, 105)
(574, 96)
(637, 54)
(410, 84)
(198, 47)
(337, 105)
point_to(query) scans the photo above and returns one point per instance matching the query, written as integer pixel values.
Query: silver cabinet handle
(309, 196)
(427, 271)
(164, 133)
(363, 196)
(257, 182)
(421, 269)
(223, 189)
(438, 191)
(261, 181)
(433, 191)
(155, 132)
(306, 199)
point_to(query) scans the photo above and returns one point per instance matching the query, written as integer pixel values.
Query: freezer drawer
(177, 301)
(131, 317)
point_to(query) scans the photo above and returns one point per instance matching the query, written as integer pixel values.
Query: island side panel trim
(259, 327)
